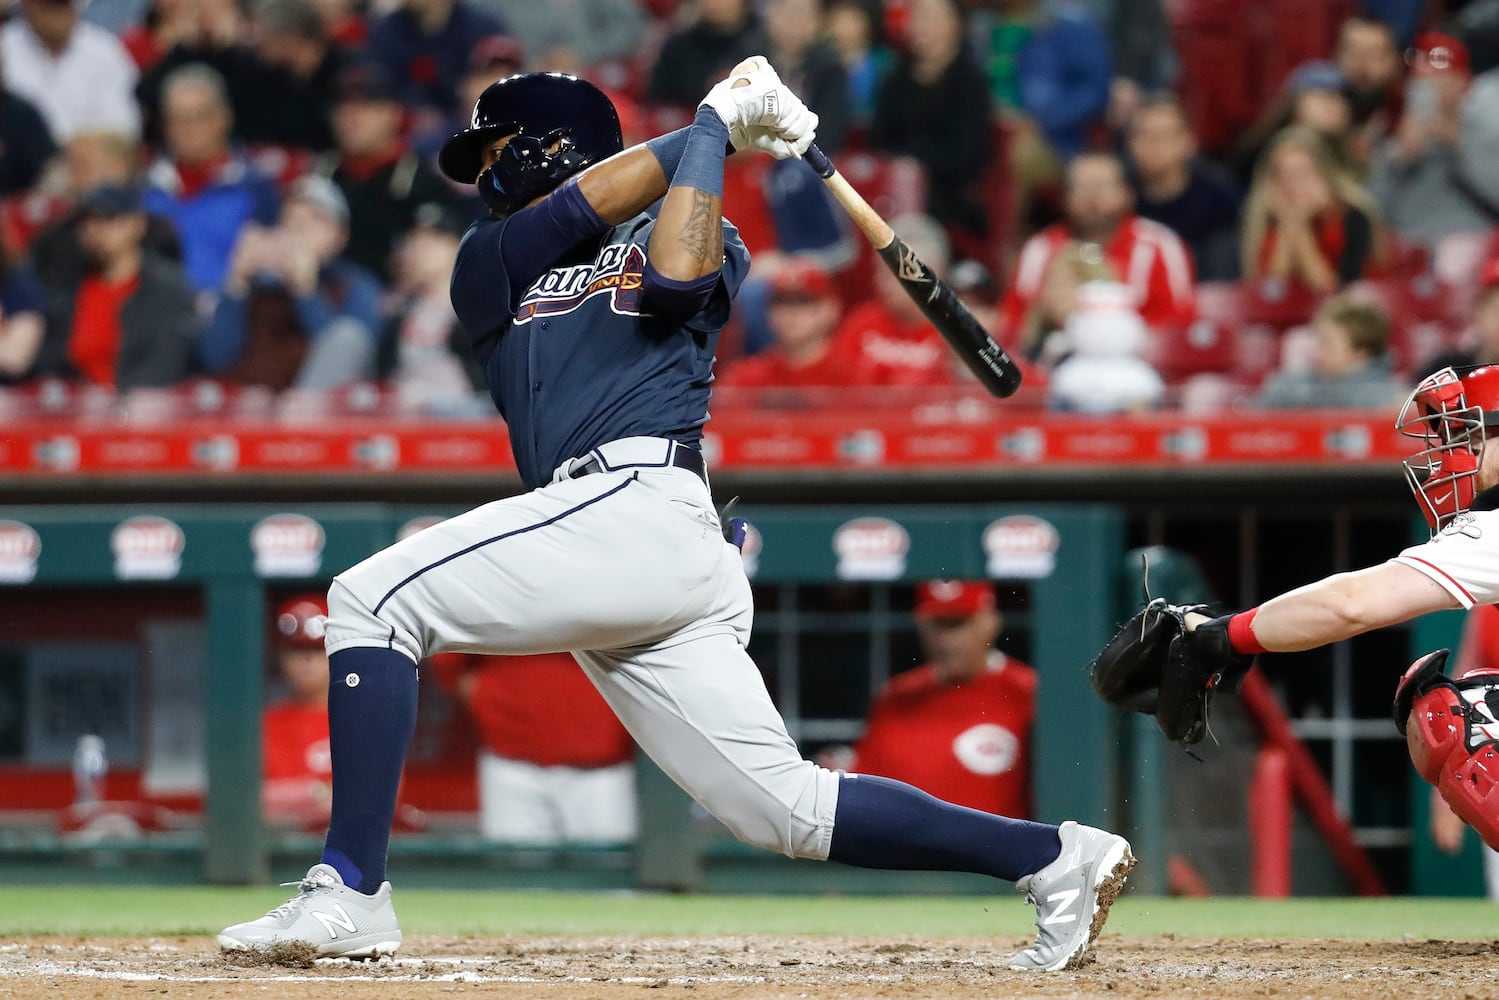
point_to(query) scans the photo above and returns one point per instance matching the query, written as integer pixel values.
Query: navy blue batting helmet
(560, 125)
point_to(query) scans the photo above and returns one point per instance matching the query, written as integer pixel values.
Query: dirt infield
(758, 967)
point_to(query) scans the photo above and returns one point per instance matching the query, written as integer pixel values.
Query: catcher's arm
(1342, 606)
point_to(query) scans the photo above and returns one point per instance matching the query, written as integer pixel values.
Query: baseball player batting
(595, 313)
(1170, 659)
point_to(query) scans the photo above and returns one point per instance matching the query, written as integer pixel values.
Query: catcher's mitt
(1155, 666)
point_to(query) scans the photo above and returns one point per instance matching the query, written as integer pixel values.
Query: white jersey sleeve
(1462, 558)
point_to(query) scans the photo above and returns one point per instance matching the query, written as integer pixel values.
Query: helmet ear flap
(492, 191)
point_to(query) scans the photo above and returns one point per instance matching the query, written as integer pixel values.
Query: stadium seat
(1251, 322)
(1218, 81)
(1207, 345)
(1297, 31)
(1236, 56)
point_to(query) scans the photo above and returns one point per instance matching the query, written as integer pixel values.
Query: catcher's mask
(1449, 412)
(559, 124)
(1451, 729)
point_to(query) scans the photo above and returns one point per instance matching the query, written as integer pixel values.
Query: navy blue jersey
(578, 358)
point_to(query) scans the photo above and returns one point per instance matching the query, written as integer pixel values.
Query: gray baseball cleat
(328, 916)
(1072, 896)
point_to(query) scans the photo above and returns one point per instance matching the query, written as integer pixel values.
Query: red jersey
(294, 743)
(892, 352)
(544, 709)
(966, 743)
(771, 368)
(1144, 255)
(94, 344)
(1480, 642)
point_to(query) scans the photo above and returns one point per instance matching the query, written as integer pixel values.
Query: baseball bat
(986, 359)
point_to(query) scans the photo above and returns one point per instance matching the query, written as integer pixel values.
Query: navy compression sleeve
(537, 237)
(668, 149)
(701, 167)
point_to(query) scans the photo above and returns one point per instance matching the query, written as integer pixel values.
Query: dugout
(156, 613)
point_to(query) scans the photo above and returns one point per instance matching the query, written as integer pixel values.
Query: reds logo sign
(871, 548)
(287, 545)
(987, 749)
(616, 272)
(20, 546)
(1021, 546)
(147, 548)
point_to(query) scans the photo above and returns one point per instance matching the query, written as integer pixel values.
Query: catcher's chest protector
(1452, 732)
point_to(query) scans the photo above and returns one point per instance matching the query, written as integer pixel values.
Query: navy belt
(682, 457)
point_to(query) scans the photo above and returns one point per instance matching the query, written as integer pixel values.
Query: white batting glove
(750, 95)
(790, 135)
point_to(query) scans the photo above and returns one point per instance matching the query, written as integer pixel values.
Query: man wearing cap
(128, 320)
(77, 74)
(382, 180)
(296, 766)
(958, 726)
(803, 316)
(1431, 178)
(293, 311)
(297, 774)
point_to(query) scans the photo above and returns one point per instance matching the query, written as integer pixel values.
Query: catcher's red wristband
(1241, 633)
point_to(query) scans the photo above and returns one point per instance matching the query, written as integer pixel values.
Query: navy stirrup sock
(888, 824)
(371, 716)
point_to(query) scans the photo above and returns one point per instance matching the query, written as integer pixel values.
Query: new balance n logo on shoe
(1061, 900)
(329, 921)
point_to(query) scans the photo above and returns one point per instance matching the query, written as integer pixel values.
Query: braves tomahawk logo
(615, 272)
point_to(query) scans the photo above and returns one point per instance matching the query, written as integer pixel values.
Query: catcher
(1169, 660)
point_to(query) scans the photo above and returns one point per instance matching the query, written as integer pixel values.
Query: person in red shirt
(959, 725)
(1307, 222)
(128, 320)
(888, 337)
(557, 766)
(803, 317)
(1102, 231)
(296, 779)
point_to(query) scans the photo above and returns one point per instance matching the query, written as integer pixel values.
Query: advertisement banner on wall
(871, 548)
(287, 545)
(1021, 547)
(147, 548)
(20, 547)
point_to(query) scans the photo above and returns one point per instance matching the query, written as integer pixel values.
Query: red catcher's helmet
(301, 621)
(1449, 411)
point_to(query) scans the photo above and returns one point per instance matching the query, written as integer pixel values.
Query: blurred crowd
(1191, 204)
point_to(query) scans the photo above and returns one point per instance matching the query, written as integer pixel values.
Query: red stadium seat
(1205, 346)
(1235, 56)
(1252, 322)
(1218, 84)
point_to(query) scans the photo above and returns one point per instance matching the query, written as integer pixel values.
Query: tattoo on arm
(702, 234)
